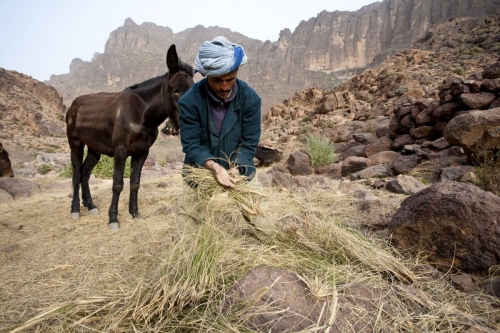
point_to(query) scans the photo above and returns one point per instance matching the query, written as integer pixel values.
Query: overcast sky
(41, 37)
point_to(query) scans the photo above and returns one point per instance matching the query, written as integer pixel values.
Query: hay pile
(178, 282)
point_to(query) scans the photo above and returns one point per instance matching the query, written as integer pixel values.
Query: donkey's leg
(119, 163)
(90, 162)
(135, 183)
(76, 163)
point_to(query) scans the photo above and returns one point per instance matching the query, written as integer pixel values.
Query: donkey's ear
(172, 60)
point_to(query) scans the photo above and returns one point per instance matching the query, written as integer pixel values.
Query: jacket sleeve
(250, 136)
(192, 134)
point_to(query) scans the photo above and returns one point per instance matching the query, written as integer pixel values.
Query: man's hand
(220, 173)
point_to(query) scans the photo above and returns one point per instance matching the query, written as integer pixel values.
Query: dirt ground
(46, 258)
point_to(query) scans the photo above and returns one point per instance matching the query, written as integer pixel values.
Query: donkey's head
(180, 79)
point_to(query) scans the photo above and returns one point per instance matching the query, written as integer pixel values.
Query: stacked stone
(426, 119)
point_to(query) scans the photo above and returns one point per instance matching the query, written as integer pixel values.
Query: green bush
(464, 51)
(43, 168)
(459, 71)
(488, 173)
(306, 128)
(400, 91)
(162, 161)
(320, 150)
(328, 124)
(104, 169)
(67, 172)
(475, 50)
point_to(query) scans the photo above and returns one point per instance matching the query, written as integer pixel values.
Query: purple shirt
(219, 107)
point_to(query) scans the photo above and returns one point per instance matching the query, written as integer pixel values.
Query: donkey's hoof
(75, 216)
(94, 211)
(114, 226)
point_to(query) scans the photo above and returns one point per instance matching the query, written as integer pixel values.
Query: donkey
(5, 165)
(119, 125)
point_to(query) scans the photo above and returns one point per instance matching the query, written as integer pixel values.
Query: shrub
(162, 161)
(105, 168)
(320, 150)
(463, 51)
(288, 117)
(306, 118)
(328, 124)
(67, 172)
(306, 128)
(475, 50)
(400, 91)
(459, 71)
(488, 173)
(43, 168)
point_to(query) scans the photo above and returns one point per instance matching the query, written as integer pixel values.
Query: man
(220, 120)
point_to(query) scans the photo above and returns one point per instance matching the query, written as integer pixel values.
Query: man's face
(222, 85)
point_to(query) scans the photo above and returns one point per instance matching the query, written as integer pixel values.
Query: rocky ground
(396, 162)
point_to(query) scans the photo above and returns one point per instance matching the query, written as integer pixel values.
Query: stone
(479, 100)
(299, 163)
(454, 224)
(405, 163)
(476, 132)
(18, 187)
(353, 164)
(403, 184)
(382, 144)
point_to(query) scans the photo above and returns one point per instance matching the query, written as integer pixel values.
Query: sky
(41, 37)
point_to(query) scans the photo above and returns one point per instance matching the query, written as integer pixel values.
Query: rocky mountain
(321, 52)
(31, 113)
(449, 54)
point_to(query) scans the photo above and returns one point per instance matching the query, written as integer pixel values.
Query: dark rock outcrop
(454, 224)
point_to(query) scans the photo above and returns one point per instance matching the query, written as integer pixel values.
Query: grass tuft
(320, 150)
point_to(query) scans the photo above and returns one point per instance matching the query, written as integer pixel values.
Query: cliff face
(31, 113)
(321, 52)
(338, 41)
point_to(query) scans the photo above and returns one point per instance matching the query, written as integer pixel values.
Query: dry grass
(488, 172)
(149, 278)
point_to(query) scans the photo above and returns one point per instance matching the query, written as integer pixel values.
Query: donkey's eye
(175, 90)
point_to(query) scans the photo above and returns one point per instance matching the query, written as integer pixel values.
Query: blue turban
(219, 57)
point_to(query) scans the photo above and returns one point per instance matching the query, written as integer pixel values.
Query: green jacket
(240, 132)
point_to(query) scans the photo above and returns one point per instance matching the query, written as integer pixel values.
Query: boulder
(405, 163)
(299, 163)
(277, 301)
(18, 187)
(268, 156)
(403, 184)
(454, 224)
(480, 100)
(353, 164)
(382, 144)
(477, 132)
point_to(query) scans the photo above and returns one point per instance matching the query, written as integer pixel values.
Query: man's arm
(250, 136)
(192, 135)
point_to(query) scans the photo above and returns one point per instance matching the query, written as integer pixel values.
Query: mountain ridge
(321, 51)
